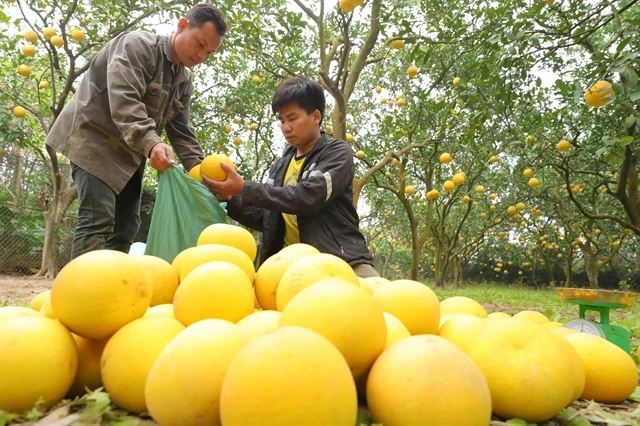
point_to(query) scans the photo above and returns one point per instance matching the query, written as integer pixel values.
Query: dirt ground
(18, 291)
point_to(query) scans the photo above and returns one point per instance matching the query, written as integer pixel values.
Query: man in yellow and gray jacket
(136, 87)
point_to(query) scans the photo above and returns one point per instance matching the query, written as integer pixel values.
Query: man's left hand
(224, 190)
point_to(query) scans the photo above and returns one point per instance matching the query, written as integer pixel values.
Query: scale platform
(599, 301)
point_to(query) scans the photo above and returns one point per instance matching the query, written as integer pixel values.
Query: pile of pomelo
(302, 340)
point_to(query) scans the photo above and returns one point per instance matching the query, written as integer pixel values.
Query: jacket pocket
(153, 98)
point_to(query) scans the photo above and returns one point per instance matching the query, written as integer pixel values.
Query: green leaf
(519, 422)
(614, 158)
(624, 141)
(576, 420)
(635, 95)
(622, 45)
(577, 94)
(629, 121)
(629, 77)
(562, 86)
(635, 396)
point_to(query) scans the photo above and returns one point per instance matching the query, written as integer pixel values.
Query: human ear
(183, 23)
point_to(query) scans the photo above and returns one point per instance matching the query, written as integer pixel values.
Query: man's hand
(161, 157)
(229, 187)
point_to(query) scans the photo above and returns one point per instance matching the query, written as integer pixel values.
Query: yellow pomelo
(177, 261)
(551, 324)
(371, 284)
(563, 331)
(29, 50)
(578, 367)
(31, 36)
(210, 166)
(214, 290)
(163, 278)
(413, 303)
(7, 312)
(130, 354)
(532, 316)
(229, 235)
(19, 111)
(311, 269)
(46, 309)
(37, 302)
(396, 330)
(426, 380)
(300, 379)
(347, 5)
(194, 173)
(258, 323)
(88, 374)
(271, 271)
(48, 32)
(600, 94)
(498, 316)
(216, 252)
(57, 41)
(38, 359)
(77, 35)
(346, 315)
(183, 386)
(611, 374)
(462, 330)
(527, 354)
(397, 44)
(462, 305)
(98, 292)
(165, 310)
(458, 179)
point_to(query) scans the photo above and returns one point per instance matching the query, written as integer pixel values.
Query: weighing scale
(599, 301)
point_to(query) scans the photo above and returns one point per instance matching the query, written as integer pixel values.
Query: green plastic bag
(183, 208)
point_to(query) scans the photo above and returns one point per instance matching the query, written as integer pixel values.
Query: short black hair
(306, 92)
(202, 13)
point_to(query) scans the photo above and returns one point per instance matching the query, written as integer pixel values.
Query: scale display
(585, 326)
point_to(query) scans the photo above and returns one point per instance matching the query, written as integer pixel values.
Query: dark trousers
(106, 220)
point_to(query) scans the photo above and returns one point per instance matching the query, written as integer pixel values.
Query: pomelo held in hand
(210, 166)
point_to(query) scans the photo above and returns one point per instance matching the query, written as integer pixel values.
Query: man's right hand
(161, 157)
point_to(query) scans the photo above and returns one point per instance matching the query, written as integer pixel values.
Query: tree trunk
(439, 267)
(16, 181)
(550, 276)
(416, 249)
(457, 273)
(592, 270)
(53, 212)
(568, 275)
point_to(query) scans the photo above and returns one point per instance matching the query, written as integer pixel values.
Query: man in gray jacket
(137, 86)
(308, 195)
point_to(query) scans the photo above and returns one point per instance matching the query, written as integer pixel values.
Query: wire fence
(24, 193)
(22, 233)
